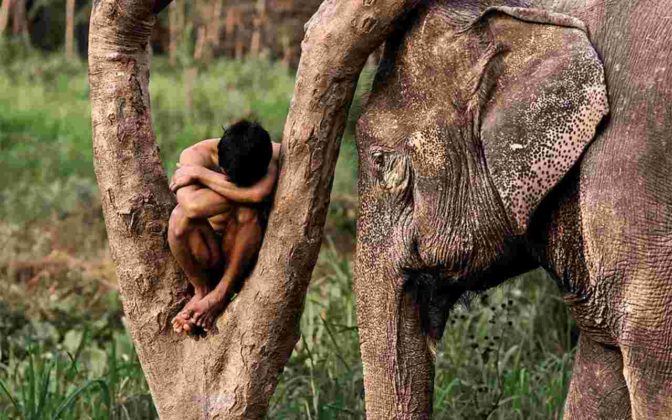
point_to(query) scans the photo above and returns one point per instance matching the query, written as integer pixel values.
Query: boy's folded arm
(252, 194)
(200, 203)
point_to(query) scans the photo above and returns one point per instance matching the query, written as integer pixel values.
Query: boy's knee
(179, 224)
(247, 215)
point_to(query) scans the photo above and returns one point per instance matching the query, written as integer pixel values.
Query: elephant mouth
(435, 292)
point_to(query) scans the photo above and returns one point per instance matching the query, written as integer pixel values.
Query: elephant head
(474, 115)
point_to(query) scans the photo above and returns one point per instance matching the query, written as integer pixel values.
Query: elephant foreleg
(648, 373)
(398, 364)
(598, 389)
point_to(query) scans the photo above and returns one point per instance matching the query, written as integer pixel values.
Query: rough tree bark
(231, 374)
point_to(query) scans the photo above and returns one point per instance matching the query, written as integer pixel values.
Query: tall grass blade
(72, 398)
(44, 392)
(9, 395)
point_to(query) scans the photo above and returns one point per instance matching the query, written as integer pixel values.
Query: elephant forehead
(413, 124)
(422, 81)
(376, 123)
(428, 150)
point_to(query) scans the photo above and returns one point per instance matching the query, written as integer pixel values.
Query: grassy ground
(64, 352)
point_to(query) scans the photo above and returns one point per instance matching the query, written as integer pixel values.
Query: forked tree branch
(231, 374)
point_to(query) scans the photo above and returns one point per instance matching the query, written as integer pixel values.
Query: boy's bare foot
(205, 311)
(182, 322)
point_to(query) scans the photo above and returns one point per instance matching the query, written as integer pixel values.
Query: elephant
(500, 136)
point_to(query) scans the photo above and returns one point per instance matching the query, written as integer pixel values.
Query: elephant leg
(645, 334)
(647, 368)
(598, 389)
(650, 390)
(398, 364)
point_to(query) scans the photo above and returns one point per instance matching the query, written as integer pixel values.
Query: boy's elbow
(257, 197)
(183, 154)
(187, 155)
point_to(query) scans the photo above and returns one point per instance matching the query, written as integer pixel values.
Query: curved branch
(231, 374)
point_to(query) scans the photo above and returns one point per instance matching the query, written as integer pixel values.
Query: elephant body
(486, 151)
(619, 284)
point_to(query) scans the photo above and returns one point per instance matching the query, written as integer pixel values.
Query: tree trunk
(175, 29)
(214, 26)
(229, 30)
(258, 21)
(19, 19)
(239, 45)
(199, 47)
(70, 29)
(232, 373)
(4, 15)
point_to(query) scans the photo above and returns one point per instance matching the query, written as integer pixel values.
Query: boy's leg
(196, 248)
(242, 249)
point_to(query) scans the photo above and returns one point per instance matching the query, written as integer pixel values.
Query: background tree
(70, 28)
(4, 15)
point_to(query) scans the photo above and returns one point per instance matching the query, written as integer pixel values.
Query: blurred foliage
(505, 355)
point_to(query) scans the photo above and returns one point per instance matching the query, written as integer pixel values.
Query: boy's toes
(211, 324)
(178, 325)
(196, 319)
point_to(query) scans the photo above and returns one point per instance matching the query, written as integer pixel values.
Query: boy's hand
(185, 175)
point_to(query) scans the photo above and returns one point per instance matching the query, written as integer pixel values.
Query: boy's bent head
(244, 153)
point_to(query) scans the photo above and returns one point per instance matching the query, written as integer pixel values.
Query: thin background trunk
(198, 24)
(19, 19)
(70, 28)
(175, 29)
(214, 26)
(238, 35)
(231, 374)
(4, 15)
(229, 30)
(258, 21)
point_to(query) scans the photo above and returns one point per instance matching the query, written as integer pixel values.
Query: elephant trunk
(398, 361)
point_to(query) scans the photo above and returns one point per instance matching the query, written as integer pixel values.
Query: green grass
(62, 341)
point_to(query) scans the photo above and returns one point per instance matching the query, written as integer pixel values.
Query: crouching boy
(215, 231)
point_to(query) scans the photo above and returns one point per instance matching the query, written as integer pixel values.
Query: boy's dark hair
(244, 153)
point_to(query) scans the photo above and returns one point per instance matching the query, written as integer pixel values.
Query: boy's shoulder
(208, 148)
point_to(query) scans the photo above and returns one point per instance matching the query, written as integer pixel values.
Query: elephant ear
(541, 94)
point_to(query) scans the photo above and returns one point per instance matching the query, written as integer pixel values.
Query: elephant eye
(378, 158)
(390, 169)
